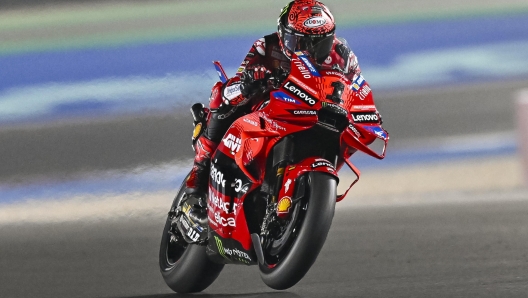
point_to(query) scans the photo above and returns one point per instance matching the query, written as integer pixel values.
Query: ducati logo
(225, 222)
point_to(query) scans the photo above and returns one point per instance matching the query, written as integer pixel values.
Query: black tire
(185, 268)
(313, 225)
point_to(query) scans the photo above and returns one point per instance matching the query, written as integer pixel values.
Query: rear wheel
(184, 267)
(289, 256)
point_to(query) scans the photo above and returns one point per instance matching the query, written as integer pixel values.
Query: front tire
(186, 268)
(313, 224)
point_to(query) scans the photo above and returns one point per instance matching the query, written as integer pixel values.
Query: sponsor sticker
(335, 73)
(231, 92)
(303, 85)
(310, 66)
(322, 163)
(284, 205)
(232, 143)
(377, 130)
(365, 107)
(220, 247)
(217, 176)
(193, 235)
(287, 185)
(249, 121)
(272, 122)
(300, 93)
(232, 252)
(315, 22)
(358, 83)
(237, 185)
(216, 201)
(364, 92)
(305, 66)
(284, 97)
(356, 132)
(303, 112)
(365, 117)
(223, 221)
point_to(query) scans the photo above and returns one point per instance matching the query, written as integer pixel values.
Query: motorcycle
(273, 179)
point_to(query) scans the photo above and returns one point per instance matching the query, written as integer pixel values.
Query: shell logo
(284, 205)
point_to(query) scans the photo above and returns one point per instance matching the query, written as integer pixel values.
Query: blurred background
(95, 97)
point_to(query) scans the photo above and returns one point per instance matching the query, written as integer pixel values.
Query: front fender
(291, 175)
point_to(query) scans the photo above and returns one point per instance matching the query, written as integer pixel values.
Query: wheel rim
(173, 250)
(278, 248)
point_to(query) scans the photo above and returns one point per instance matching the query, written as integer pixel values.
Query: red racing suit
(227, 103)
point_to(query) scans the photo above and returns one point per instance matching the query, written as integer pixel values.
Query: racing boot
(193, 222)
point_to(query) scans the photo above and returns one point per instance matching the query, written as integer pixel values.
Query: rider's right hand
(252, 78)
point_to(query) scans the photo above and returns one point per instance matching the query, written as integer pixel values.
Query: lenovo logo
(365, 117)
(299, 92)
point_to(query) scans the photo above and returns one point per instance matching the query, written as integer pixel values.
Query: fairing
(239, 164)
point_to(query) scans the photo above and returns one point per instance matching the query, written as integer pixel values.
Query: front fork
(282, 157)
(286, 179)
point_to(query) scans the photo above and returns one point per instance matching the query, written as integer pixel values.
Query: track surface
(471, 249)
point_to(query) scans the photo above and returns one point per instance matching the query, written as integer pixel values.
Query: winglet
(220, 70)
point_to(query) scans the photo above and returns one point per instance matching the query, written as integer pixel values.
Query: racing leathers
(238, 96)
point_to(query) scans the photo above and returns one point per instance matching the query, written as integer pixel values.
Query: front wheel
(186, 268)
(307, 231)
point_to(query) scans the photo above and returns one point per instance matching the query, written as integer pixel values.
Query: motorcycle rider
(303, 25)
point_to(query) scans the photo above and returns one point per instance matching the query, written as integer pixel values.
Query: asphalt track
(471, 248)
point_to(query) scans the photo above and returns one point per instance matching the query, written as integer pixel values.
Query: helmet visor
(319, 46)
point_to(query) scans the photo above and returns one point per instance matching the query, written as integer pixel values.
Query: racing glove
(253, 77)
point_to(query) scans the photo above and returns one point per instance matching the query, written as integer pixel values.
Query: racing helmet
(306, 25)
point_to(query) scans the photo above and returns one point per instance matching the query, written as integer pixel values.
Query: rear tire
(186, 268)
(313, 225)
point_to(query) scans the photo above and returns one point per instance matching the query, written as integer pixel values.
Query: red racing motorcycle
(273, 180)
